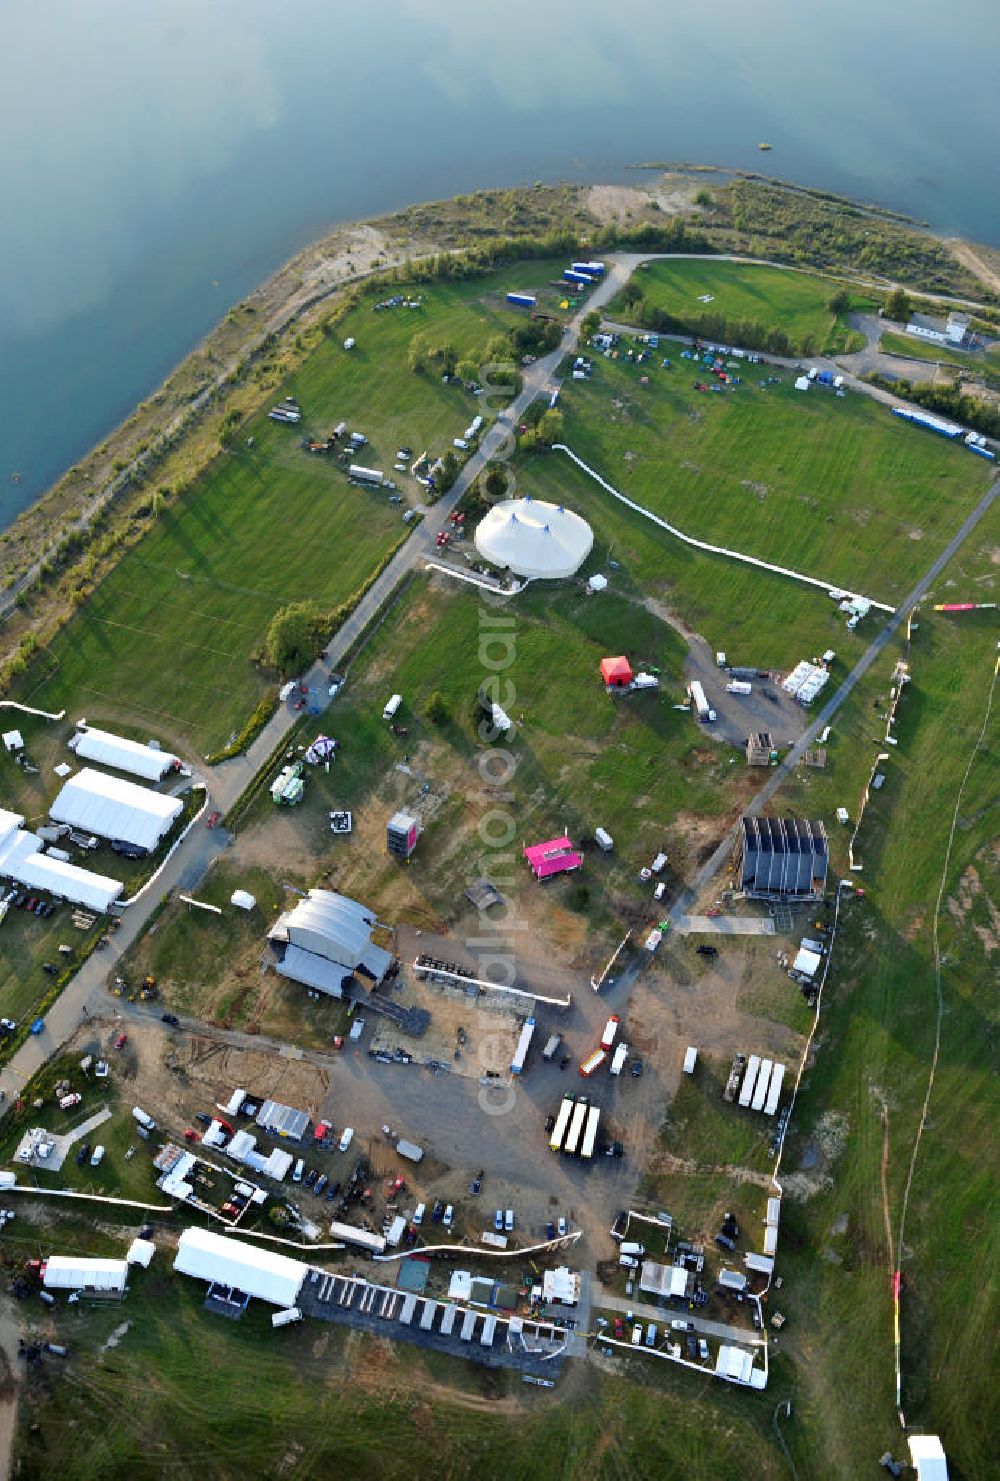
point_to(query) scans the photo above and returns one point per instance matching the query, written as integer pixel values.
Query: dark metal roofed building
(781, 858)
(326, 939)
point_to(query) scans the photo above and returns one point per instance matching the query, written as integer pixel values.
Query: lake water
(157, 161)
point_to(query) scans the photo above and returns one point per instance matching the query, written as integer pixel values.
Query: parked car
(508, 1220)
(67, 1102)
(550, 1230)
(651, 1334)
(121, 1041)
(449, 1215)
(298, 1170)
(7, 1025)
(550, 1121)
(498, 1221)
(619, 1328)
(637, 1068)
(332, 1192)
(637, 1334)
(83, 1152)
(437, 1211)
(190, 1135)
(203, 1117)
(476, 1186)
(346, 1139)
(101, 1069)
(707, 950)
(561, 1225)
(170, 1018)
(418, 1213)
(97, 1156)
(725, 1243)
(692, 1349)
(321, 1183)
(703, 1351)
(50, 968)
(678, 1325)
(311, 1176)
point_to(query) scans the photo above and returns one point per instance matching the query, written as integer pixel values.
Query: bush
(292, 637)
(438, 709)
(579, 897)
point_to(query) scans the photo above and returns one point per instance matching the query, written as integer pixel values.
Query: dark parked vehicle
(83, 1152)
(550, 1230)
(203, 1117)
(170, 1018)
(321, 1183)
(692, 1347)
(128, 850)
(50, 968)
(725, 1243)
(311, 1176)
(40, 908)
(476, 1185)
(637, 1068)
(332, 1192)
(707, 950)
(437, 1211)
(550, 1121)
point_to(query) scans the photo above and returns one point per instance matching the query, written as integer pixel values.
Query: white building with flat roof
(80, 1273)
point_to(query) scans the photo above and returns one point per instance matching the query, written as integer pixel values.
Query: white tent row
(22, 860)
(78, 1273)
(116, 809)
(244, 1267)
(146, 761)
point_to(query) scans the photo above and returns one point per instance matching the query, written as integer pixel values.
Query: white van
(141, 1119)
(418, 1213)
(392, 707)
(97, 1156)
(346, 1139)
(298, 1170)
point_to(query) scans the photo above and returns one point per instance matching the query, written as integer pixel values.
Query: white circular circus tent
(534, 538)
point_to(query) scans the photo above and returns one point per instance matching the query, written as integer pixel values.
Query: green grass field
(833, 487)
(877, 1038)
(168, 638)
(795, 302)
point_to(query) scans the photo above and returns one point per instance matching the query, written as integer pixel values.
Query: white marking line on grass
(736, 555)
(12, 704)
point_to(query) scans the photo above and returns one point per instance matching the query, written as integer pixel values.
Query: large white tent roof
(230, 1262)
(22, 860)
(114, 808)
(101, 746)
(79, 1273)
(534, 538)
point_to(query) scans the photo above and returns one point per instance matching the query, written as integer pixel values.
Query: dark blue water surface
(159, 160)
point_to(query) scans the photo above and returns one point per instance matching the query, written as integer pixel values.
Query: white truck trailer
(521, 1052)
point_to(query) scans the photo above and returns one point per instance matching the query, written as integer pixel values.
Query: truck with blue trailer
(522, 300)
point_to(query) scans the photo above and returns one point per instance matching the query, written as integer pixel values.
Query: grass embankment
(830, 486)
(170, 634)
(746, 305)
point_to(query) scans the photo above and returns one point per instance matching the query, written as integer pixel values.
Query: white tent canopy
(22, 860)
(145, 761)
(77, 1273)
(113, 808)
(534, 538)
(231, 1262)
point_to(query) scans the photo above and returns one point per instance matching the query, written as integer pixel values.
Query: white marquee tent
(231, 1262)
(534, 538)
(78, 1273)
(22, 860)
(145, 761)
(113, 808)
